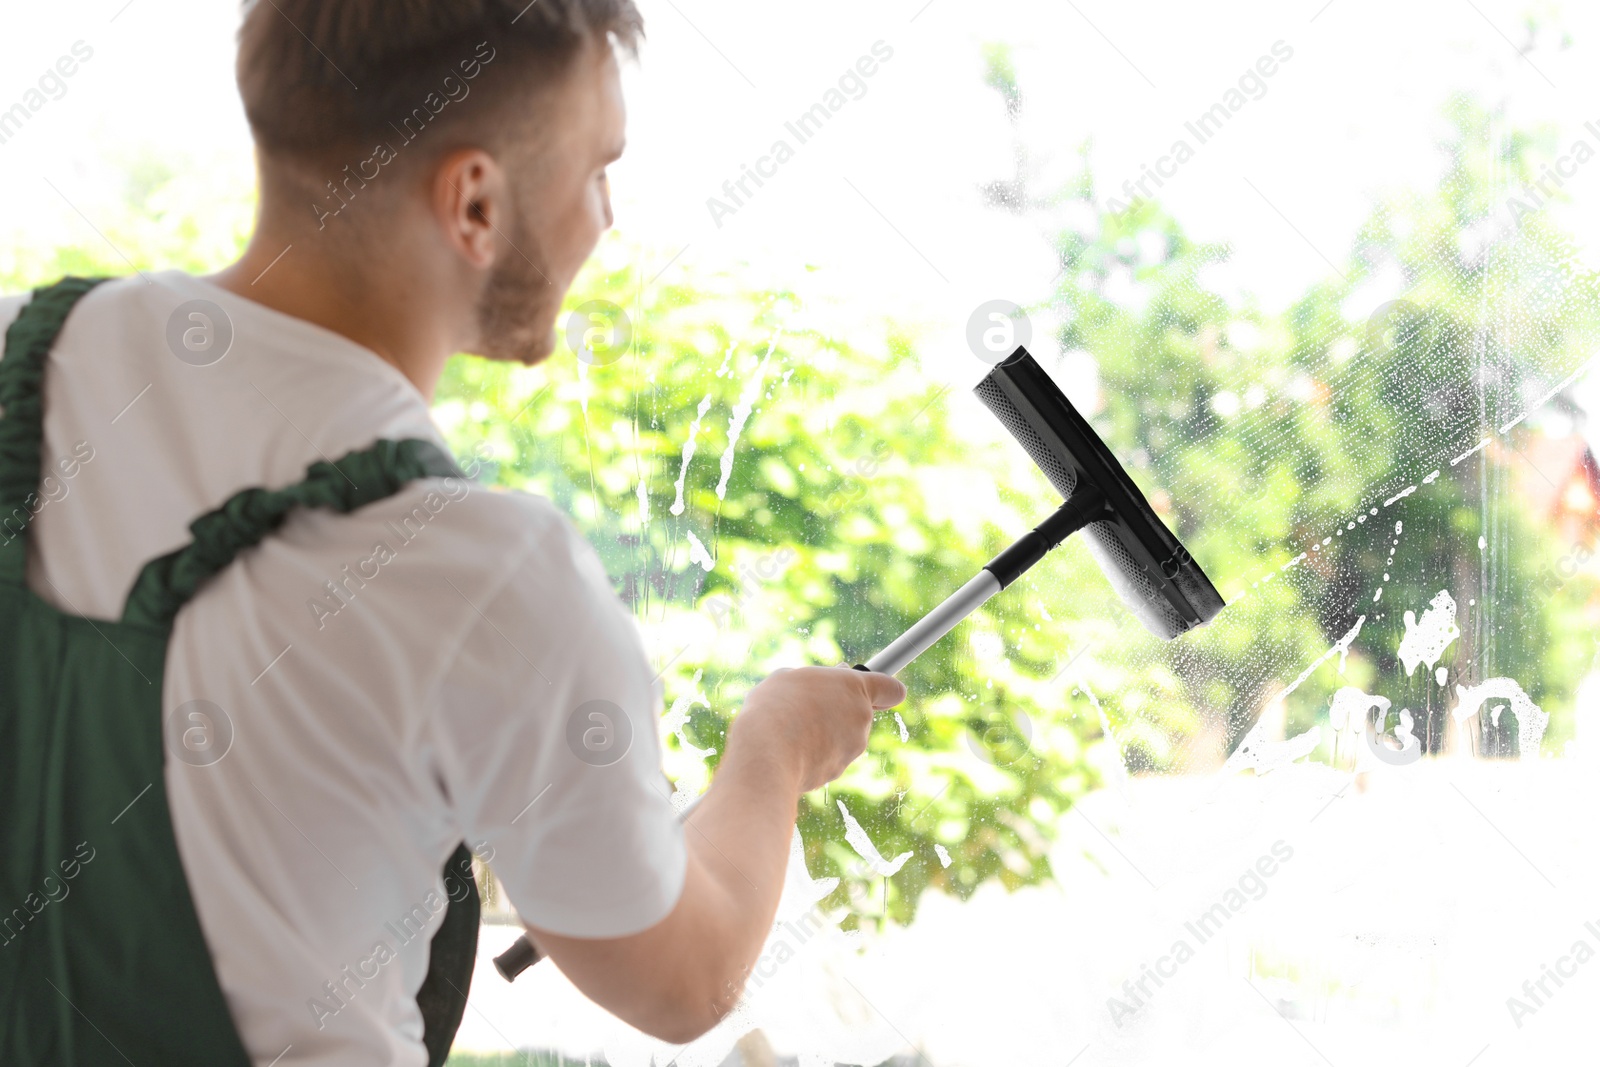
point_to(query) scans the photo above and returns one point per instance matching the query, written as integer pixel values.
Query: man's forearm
(739, 836)
(797, 731)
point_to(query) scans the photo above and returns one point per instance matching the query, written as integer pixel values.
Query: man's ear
(471, 204)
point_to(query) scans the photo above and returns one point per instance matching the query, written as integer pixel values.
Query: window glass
(1318, 274)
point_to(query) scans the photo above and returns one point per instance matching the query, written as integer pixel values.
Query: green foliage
(1263, 436)
(170, 215)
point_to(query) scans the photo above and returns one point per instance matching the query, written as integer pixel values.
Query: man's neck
(372, 306)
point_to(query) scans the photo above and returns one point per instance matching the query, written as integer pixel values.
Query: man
(432, 666)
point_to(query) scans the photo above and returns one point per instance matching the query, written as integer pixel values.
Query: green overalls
(102, 960)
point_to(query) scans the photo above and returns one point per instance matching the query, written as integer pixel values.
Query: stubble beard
(517, 312)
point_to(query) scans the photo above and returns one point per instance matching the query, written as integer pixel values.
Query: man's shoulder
(155, 291)
(493, 511)
(494, 525)
(525, 569)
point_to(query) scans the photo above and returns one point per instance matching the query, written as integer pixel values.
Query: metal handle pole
(935, 624)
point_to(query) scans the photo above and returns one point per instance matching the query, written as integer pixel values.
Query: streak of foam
(1425, 641)
(1348, 715)
(676, 722)
(741, 414)
(1475, 448)
(905, 735)
(1399, 528)
(1399, 496)
(1344, 643)
(1350, 524)
(644, 504)
(1542, 401)
(1341, 647)
(698, 553)
(1265, 755)
(943, 854)
(688, 453)
(1351, 706)
(1105, 726)
(858, 840)
(1340, 531)
(1531, 719)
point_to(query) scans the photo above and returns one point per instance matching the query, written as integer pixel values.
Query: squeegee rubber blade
(1151, 571)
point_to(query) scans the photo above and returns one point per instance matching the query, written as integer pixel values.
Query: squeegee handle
(1083, 507)
(519, 957)
(935, 624)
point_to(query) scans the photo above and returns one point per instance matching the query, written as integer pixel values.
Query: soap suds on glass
(857, 838)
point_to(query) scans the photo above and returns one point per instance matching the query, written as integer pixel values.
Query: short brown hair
(322, 77)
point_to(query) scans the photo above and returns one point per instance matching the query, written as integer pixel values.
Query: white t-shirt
(430, 699)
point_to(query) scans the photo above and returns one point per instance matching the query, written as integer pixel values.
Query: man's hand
(813, 721)
(797, 732)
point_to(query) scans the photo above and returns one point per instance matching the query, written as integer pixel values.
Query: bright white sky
(884, 200)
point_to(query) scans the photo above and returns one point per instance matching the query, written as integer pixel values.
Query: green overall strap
(28, 342)
(102, 959)
(124, 966)
(165, 584)
(358, 479)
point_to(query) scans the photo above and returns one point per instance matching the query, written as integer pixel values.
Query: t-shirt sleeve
(549, 748)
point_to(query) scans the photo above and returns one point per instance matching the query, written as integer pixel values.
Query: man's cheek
(594, 228)
(572, 250)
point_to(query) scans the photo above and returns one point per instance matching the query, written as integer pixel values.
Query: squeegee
(1150, 570)
(1147, 566)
